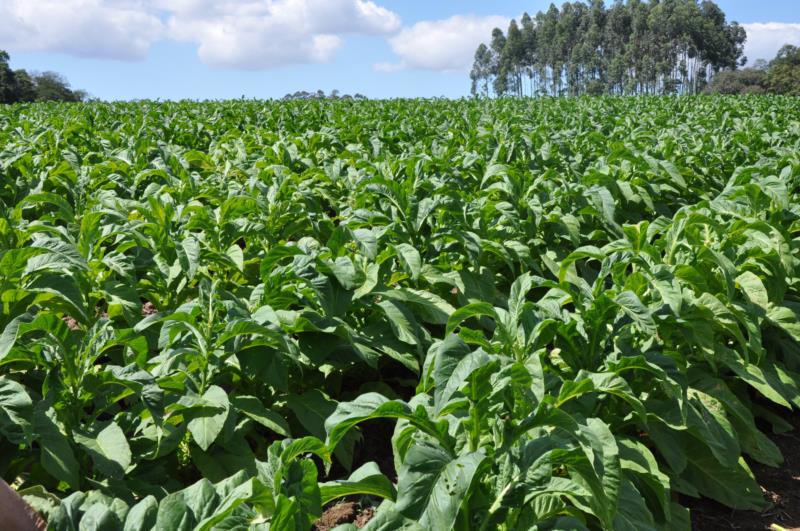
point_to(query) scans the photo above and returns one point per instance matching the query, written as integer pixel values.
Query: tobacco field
(512, 314)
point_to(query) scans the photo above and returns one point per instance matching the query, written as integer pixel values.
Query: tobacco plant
(511, 314)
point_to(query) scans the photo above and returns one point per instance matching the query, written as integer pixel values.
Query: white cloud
(765, 39)
(256, 34)
(115, 29)
(248, 34)
(443, 45)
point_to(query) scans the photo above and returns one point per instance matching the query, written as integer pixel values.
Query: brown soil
(364, 517)
(72, 324)
(781, 486)
(341, 513)
(344, 513)
(148, 309)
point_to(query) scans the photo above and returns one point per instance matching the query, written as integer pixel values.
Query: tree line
(20, 85)
(781, 75)
(629, 47)
(320, 95)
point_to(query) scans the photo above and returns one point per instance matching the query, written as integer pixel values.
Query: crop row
(565, 312)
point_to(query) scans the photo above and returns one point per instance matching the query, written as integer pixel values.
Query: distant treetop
(320, 95)
(779, 76)
(631, 47)
(20, 85)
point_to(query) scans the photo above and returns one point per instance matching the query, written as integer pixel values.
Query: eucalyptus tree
(631, 47)
(481, 70)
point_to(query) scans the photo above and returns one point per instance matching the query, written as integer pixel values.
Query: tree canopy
(631, 47)
(779, 76)
(320, 95)
(783, 75)
(20, 85)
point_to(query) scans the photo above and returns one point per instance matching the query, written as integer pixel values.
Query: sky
(218, 49)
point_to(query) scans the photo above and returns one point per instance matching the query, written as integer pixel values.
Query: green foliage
(745, 81)
(569, 311)
(21, 86)
(783, 76)
(779, 76)
(629, 47)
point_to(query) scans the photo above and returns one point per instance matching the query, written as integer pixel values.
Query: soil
(148, 309)
(344, 513)
(781, 486)
(72, 324)
(364, 516)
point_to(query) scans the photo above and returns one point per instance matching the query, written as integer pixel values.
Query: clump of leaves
(571, 310)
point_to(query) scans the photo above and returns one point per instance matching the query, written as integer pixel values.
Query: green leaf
(372, 406)
(516, 299)
(732, 485)
(253, 408)
(286, 510)
(752, 286)
(10, 332)
(16, 409)
(602, 452)
(638, 312)
(56, 453)
(432, 485)
(142, 516)
(236, 256)
(410, 259)
(401, 320)
(632, 514)
(427, 306)
(366, 480)
(474, 309)
(108, 449)
(174, 514)
(345, 272)
(63, 286)
(306, 445)
(445, 358)
(190, 256)
(206, 427)
(99, 518)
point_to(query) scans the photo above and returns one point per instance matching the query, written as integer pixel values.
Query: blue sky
(172, 49)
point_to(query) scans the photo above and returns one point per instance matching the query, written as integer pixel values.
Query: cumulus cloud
(115, 29)
(247, 34)
(260, 34)
(765, 39)
(443, 45)
(256, 34)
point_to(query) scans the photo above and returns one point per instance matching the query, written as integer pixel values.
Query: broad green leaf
(752, 286)
(16, 411)
(108, 449)
(372, 406)
(366, 480)
(409, 259)
(432, 485)
(206, 427)
(142, 516)
(637, 311)
(401, 320)
(57, 456)
(474, 309)
(253, 408)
